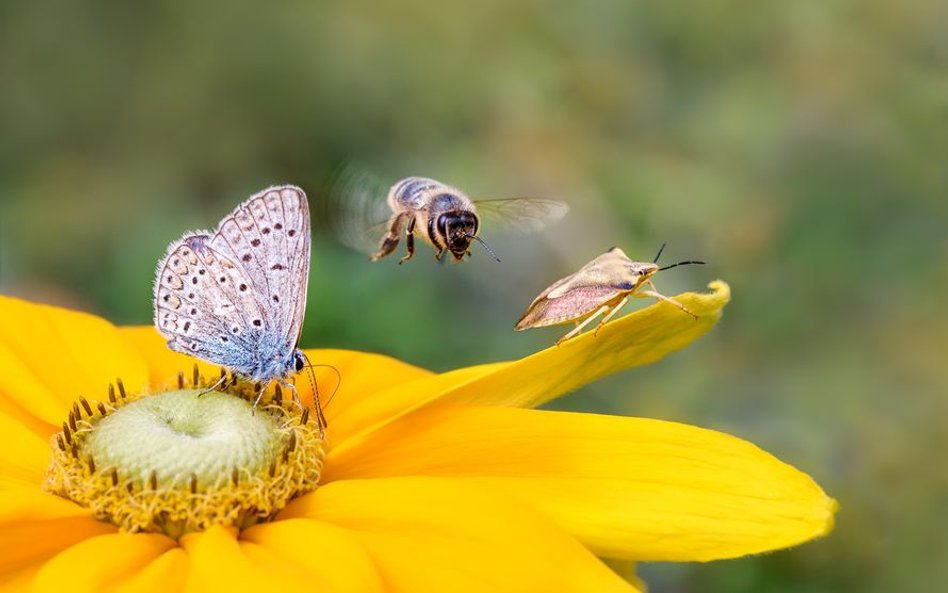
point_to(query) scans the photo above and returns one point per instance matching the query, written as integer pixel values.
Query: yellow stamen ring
(179, 461)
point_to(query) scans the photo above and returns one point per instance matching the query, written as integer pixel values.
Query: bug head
(457, 228)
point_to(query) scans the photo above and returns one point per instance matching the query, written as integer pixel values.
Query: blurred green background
(801, 148)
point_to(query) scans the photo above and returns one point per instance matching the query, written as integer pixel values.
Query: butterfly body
(235, 296)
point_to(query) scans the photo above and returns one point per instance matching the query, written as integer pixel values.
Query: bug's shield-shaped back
(235, 296)
(581, 293)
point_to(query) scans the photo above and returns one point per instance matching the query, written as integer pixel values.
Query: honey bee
(601, 287)
(442, 215)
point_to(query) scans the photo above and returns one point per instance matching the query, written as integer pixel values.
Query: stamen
(116, 474)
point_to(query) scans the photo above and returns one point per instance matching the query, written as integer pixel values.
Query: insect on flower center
(182, 460)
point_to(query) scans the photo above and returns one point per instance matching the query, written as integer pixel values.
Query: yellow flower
(430, 482)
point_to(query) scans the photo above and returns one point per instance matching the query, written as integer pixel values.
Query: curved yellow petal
(104, 562)
(637, 339)
(218, 562)
(431, 534)
(24, 456)
(56, 355)
(163, 363)
(361, 376)
(36, 526)
(331, 557)
(24, 398)
(626, 487)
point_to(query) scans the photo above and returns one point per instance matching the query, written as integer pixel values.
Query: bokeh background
(801, 148)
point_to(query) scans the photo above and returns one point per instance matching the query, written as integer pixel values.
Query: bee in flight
(442, 215)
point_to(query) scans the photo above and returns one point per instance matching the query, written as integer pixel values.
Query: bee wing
(353, 207)
(521, 214)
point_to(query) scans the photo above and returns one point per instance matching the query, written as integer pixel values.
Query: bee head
(457, 228)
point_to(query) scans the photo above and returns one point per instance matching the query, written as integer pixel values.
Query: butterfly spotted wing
(235, 296)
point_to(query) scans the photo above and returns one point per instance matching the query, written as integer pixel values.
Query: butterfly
(235, 296)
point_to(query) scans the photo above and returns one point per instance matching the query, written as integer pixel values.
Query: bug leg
(214, 386)
(585, 322)
(263, 390)
(613, 311)
(409, 241)
(391, 239)
(661, 297)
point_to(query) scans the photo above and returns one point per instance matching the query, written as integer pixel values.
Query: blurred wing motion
(520, 214)
(353, 206)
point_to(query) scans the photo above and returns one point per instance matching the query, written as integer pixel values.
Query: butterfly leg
(409, 241)
(661, 297)
(585, 322)
(260, 393)
(391, 239)
(214, 386)
(613, 311)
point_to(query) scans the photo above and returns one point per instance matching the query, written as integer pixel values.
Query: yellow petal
(430, 534)
(331, 557)
(219, 563)
(361, 376)
(103, 562)
(36, 526)
(163, 363)
(57, 355)
(24, 399)
(634, 340)
(23, 455)
(626, 487)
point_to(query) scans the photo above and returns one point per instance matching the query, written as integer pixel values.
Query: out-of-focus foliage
(800, 147)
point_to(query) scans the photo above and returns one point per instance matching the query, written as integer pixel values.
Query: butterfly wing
(237, 295)
(200, 306)
(268, 236)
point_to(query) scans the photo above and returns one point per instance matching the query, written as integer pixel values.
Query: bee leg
(439, 254)
(655, 294)
(585, 322)
(391, 239)
(409, 241)
(613, 311)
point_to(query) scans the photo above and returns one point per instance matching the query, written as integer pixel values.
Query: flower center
(182, 460)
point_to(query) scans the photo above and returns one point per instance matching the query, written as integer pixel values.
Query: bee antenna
(682, 263)
(659, 254)
(486, 246)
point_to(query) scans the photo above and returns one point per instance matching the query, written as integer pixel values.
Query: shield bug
(601, 287)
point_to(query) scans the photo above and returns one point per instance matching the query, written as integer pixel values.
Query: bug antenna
(486, 246)
(338, 383)
(682, 263)
(659, 254)
(320, 417)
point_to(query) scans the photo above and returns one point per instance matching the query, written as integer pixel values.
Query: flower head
(424, 482)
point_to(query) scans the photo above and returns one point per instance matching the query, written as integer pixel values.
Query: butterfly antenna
(320, 417)
(486, 246)
(659, 254)
(338, 384)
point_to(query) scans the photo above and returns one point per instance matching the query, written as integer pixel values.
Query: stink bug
(603, 286)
